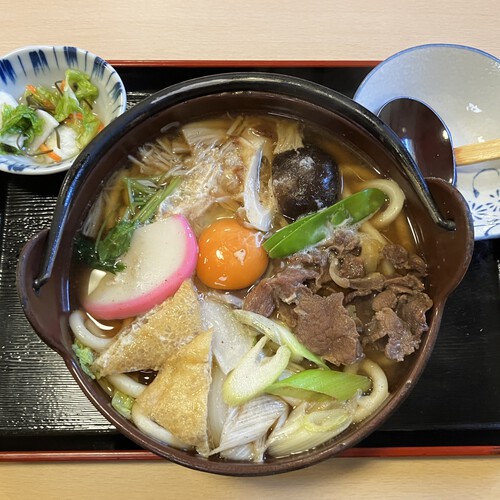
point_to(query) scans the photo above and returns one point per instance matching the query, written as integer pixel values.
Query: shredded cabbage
(85, 357)
(123, 404)
(81, 85)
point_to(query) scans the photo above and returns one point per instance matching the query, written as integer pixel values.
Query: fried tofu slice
(178, 397)
(151, 338)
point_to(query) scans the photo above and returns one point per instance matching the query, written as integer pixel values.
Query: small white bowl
(462, 84)
(44, 65)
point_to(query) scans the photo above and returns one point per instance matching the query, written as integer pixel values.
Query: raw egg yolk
(230, 255)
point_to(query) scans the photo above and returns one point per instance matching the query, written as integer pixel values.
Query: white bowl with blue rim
(44, 65)
(462, 85)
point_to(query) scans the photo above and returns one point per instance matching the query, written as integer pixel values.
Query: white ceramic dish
(43, 65)
(462, 85)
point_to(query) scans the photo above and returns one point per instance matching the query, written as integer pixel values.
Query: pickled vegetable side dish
(50, 124)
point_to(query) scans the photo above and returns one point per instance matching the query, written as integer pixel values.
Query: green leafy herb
(314, 228)
(104, 253)
(85, 357)
(116, 242)
(86, 251)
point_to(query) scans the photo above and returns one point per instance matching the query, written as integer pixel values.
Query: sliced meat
(374, 282)
(260, 299)
(407, 284)
(351, 267)
(313, 256)
(318, 259)
(412, 309)
(343, 241)
(366, 286)
(417, 266)
(283, 286)
(387, 326)
(384, 299)
(286, 283)
(396, 255)
(376, 311)
(402, 260)
(325, 327)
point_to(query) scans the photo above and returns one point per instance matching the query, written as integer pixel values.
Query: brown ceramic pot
(443, 228)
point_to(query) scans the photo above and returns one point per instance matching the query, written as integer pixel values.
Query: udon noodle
(212, 312)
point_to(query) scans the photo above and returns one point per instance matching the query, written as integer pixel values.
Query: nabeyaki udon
(261, 273)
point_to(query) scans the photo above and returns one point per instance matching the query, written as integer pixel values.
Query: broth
(202, 202)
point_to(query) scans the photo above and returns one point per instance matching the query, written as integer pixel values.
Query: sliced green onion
(253, 374)
(311, 385)
(307, 428)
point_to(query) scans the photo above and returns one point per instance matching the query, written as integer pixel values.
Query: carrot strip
(31, 88)
(50, 153)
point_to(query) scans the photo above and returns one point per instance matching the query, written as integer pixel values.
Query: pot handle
(72, 182)
(453, 249)
(43, 308)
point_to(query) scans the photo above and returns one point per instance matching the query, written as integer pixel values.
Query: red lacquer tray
(453, 411)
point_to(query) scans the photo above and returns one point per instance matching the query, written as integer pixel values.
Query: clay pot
(442, 225)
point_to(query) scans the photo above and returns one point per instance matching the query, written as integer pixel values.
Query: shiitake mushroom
(305, 180)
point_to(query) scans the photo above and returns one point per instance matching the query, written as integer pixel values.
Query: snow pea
(313, 228)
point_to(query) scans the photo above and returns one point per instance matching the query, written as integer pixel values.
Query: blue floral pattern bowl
(462, 84)
(44, 65)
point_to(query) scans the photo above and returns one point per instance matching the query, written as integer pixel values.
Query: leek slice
(280, 335)
(309, 426)
(314, 385)
(253, 374)
(250, 422)
(315, 227)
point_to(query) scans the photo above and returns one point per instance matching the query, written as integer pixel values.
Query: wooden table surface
(294, 30)
(351, 30)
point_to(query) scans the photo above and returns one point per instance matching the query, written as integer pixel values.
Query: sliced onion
(257, 214)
